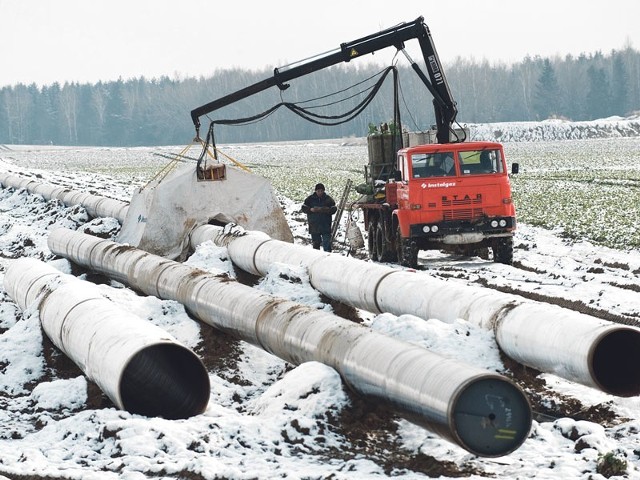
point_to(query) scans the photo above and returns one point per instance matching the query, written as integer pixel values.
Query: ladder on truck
(340, 210)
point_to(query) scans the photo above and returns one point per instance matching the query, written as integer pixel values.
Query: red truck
(454, 197)
(441, 192)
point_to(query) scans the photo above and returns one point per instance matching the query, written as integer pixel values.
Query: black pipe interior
(615, 363)
(165, 380)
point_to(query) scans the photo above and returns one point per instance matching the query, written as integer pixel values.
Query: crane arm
(436, 83)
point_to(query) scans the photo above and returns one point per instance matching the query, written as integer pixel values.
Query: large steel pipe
(578, 347)
(95, 205)
(140, 367)
(481, 411)
(581, 348)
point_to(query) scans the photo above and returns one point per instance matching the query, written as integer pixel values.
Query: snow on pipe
(140, 367)
(95, 205)
(572, 345)
(481, 411)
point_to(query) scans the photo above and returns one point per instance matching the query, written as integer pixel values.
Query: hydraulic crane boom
(436, 83)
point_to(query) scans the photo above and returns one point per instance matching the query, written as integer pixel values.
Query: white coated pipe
(604, 356)
(575, 346)
(481, 411)
(139, 366)
(95, 205)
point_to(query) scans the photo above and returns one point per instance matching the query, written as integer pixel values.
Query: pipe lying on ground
(95, 205)
(140, 367)
(481, 411)
(575, 346)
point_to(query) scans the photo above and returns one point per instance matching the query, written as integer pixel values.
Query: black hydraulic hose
(308, 115)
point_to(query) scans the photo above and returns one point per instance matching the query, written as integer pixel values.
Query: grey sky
(44, 41)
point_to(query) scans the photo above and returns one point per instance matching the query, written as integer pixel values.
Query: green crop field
(583, 189)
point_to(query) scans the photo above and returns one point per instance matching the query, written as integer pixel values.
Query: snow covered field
(269, 419)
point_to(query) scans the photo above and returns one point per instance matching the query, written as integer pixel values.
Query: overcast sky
(45, 41)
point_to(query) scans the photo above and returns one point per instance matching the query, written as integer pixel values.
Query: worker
(485, 162)
(447, 163)
(319, 208)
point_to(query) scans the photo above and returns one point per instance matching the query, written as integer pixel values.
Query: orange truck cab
(454, 197)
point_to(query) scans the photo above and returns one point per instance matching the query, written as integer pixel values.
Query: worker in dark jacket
(319, 208)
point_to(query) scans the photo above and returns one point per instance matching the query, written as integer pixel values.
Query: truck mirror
(515, 168)
(397, 175)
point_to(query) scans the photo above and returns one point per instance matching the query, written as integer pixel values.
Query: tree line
(157, 111)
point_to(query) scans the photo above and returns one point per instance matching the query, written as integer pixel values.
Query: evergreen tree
(575, 80)
(156, 111)
(619, 86)
(33, 115)
(547, 98)
(598, 96)
(86, 116)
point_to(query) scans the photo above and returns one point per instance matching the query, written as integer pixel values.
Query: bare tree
(69, 109)
(19, 105)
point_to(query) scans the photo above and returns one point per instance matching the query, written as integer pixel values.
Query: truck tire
(383, 247)
(407, 251)
(503, 250)
(379, 241)
(371, 241)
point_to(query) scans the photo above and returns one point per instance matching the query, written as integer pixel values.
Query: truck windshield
(475, 162)
(439, 164)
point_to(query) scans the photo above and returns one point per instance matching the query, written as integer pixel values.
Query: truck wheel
(503, 250)
(380, 244)
(371, 241)
(384, 247)
(406, 250)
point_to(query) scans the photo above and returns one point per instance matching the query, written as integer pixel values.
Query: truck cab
(454, 197)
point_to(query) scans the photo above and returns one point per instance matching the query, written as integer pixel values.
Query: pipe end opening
(491, 417)
(165, 380)
(615, 362)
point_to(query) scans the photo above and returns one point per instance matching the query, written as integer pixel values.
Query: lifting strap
(182, 157)
(207, 147)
